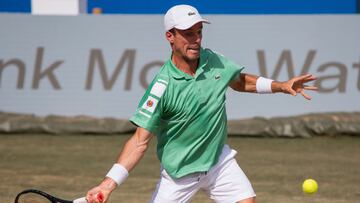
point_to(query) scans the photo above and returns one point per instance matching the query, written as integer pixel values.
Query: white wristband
(118, 173)
(263, 85)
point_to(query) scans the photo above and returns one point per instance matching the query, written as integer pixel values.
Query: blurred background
(96, 57)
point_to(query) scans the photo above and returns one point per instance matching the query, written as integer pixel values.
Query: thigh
(229, 183)
(169, 190)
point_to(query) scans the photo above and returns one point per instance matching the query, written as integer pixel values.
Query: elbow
(142, 140)
(142, 148)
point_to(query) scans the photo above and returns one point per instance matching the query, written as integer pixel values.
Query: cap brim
(189, 24)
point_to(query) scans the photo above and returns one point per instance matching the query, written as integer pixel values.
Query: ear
(169, 36)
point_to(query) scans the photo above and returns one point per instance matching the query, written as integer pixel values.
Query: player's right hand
(101, 193)
(95, 195)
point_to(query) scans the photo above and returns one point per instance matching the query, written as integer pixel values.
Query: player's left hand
(297, 85)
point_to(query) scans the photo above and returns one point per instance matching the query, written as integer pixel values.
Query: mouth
(194, 50)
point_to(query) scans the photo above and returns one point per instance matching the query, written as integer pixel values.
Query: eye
(189, 34)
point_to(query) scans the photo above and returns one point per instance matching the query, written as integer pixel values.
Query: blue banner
(207, 6)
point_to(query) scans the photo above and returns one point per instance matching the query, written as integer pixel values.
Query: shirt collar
(178, 74)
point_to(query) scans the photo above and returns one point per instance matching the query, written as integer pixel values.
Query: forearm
(134, 149)
(252, 83)
(129, 157)
(248, 83)
(265, 85)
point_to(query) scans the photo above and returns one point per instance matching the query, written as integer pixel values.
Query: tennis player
(184, 107)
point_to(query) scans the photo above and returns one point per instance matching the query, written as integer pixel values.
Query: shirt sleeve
(231, 70)
(149, 110)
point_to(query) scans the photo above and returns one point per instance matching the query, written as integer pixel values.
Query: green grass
(69, 165)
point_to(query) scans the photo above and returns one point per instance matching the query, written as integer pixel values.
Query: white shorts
(225, 182)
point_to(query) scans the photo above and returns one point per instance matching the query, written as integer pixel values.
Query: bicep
(244, 83)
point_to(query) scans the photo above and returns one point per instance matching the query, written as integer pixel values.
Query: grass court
(68, 165)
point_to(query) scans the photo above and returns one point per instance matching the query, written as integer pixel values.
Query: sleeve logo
(150, 104)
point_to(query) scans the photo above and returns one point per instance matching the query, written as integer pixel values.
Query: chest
(190, 98)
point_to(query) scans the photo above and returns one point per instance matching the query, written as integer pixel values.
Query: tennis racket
(38, 196)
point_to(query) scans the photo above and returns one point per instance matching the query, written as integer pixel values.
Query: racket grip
(80, 200)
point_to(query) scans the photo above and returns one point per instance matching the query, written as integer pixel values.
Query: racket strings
(33, 198)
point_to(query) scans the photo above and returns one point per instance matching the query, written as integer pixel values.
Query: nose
(198, 38)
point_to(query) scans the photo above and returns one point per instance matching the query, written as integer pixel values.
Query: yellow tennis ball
(310, 186)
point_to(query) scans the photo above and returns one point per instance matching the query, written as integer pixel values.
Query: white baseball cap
(182, 17)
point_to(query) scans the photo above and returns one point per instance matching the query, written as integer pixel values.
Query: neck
(187, 66)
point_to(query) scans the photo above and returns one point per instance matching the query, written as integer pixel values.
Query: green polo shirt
(187, 113)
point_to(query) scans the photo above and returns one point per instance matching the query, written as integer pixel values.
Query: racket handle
(99, 196)
(80, 200)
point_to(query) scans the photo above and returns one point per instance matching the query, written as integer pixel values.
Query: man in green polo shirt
(184, 107)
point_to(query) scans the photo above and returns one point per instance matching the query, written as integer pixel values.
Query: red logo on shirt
(149, 103)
